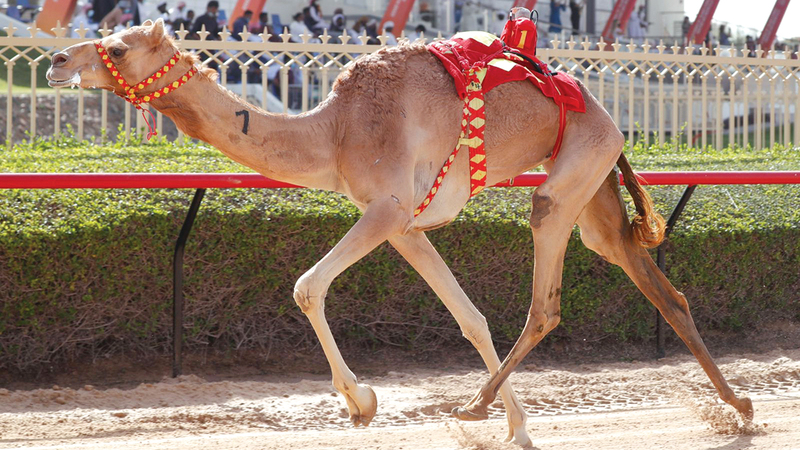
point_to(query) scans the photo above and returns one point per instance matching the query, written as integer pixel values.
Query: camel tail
(648, 225)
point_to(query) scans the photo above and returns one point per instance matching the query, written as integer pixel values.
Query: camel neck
(295, 149)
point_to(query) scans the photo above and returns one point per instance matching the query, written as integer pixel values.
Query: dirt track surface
(666, 404)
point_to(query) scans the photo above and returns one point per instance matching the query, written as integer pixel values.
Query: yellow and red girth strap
(131, 91)
(469, 68)
(472, 131)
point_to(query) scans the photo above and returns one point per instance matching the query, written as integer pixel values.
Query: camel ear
(147, 23)
(158, 28)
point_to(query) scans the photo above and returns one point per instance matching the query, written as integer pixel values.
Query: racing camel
(380, 138)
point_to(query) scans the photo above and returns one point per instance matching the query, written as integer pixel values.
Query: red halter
(131, 92)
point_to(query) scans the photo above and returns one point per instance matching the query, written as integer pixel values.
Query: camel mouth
(73, 81)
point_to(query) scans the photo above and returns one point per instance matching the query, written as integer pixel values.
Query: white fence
(665, 95)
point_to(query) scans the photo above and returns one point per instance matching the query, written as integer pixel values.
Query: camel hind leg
(606, 230)
(572, 181)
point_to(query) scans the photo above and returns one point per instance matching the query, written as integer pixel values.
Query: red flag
(701, 25)
(618, 18)
(55, 11)
(774, 21)
(243, 5)
(397, 12)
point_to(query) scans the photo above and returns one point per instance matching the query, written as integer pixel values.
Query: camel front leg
(420, 253)
(381, 220)
(550, 243)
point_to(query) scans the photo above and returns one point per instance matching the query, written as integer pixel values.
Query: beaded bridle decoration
(132, 93)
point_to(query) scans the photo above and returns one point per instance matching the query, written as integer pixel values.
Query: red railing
(203, 181)
(253, 180)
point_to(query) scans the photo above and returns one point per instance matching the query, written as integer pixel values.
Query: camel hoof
(462, 413)
(518, 437)
(745, 408)
(523, 441)
(366, 405)
(360, 421)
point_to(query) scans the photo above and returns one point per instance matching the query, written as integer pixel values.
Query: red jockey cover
(480, 50)
(521, 35)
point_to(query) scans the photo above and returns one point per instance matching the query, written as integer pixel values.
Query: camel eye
(116, 52)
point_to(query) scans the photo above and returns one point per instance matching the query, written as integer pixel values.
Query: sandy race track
(666, 404)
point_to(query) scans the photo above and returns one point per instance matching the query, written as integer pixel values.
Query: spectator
(419, 33)
(643, 17)
(642, 13)
(339, 28)
(388, 29)
(458, 13)
(636, 29)
(298, 28)
(686, 25)
(372, 28)
(186, 22)
(209, 20)
(161, 12)
(750, 45)
(575, 8)
(81, 20)
(724, 36)
(140, 12)
(708, 41)
(312, 16)
(101, 8)
(177, 13)
(338, 22)
(360, 29)
(555, 15)
(365, 27)
(241, 24)
(617, 30)
(117, 18)
(261, 24)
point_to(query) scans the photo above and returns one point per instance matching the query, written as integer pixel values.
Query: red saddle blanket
(478, 62)
(496, 65)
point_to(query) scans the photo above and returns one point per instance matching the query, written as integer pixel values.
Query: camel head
(136, 52)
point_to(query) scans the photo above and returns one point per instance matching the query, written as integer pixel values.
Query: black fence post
(177, 279)
(662, 264)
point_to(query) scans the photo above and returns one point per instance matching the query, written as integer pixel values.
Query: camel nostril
(59, 59)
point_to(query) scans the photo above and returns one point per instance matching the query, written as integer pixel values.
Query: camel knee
(475, 329)
(539, 325)
(310, 291)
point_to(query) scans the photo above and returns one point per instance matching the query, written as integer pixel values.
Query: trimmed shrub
(88, 272)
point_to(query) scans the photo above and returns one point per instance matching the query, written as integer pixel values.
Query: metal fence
(662, 94)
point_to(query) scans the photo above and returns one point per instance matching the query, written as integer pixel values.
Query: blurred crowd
(117, 15)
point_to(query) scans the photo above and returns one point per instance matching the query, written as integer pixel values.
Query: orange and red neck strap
(132, 94)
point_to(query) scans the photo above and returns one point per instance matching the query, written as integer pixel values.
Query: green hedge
(88, 272)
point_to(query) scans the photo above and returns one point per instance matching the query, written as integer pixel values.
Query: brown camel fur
(380, 138)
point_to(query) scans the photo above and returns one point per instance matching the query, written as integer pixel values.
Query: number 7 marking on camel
(246, 115)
